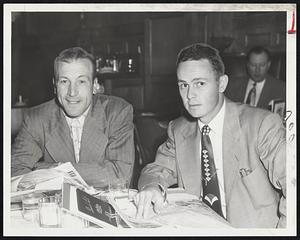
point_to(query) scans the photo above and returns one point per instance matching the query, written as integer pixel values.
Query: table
(183, 210)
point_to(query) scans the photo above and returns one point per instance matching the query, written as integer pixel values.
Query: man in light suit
(267, 88)
(245, 157)
(92, 131)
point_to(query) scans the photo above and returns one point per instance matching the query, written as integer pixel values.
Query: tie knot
(205, 130)
(254, 84)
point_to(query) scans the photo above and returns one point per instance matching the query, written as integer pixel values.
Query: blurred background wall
(150, 40)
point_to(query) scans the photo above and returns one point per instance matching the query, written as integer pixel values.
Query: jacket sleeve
(163, 171)
(119, 153)
(26, 150)
(272, 150)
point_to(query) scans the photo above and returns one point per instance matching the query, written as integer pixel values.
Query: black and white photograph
(149, 119)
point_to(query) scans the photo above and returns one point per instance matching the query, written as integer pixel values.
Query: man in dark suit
(92, 131)
(230, 155)
(260, 88)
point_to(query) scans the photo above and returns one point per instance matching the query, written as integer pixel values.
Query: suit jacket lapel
(189, 158)
(59, 143)
(265, 93)
(242, 90)
(231, 149)
(94, 140)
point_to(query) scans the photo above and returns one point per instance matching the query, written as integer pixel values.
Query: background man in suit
(260, 88)
(94, 132)
(230, 155)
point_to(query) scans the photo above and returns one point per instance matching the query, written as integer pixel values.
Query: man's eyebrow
(181, 81)
(82, 75)
(195, 79)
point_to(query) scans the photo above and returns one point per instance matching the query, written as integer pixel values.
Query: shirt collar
(214, 124)
(261, 83)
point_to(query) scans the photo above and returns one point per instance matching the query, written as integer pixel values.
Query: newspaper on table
(42, 180)
(181, 210)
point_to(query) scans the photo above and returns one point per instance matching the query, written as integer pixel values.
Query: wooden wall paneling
(148, 62)
(254, 39)
(167, 40)
(263, 28)
(133, 94)
(129, 88)
(163, 39)
(16, 46)
(196, 29)
(165, 94)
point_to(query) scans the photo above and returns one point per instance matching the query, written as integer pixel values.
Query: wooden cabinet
(127, 86)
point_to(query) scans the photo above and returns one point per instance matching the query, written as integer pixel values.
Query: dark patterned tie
(252, 95)
(211, 191)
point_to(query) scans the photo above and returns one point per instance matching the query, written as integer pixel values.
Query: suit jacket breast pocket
(259, 188)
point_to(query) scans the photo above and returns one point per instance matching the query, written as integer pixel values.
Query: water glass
(118, 187)
(30, 208)
(49, 212)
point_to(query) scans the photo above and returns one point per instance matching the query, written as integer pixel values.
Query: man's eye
(63, 81)
(183, 85)
(199, 84)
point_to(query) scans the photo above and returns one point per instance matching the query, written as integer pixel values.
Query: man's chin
(258, 79)
(73, 114)
(194, 114)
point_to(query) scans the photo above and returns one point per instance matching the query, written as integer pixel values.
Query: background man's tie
(252, 95)
(211, 191)
(75, 131)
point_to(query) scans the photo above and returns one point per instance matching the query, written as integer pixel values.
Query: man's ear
(269, 64)
(96, 86)
(223, 81)
(54, 85)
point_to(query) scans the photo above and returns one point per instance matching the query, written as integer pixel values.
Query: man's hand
(144, 200)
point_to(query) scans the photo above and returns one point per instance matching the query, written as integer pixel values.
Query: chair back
(151, 133)
(17, 115)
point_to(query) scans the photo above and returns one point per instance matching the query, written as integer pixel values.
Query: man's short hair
(258, 50)
(200, 51)
(71, 54)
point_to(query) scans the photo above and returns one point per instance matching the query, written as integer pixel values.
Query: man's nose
(72, 91)
(190, 92)
(257, 69)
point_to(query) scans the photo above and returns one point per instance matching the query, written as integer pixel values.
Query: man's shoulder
(249, 115)
(275, 82)
(111, 101)
(43, 109)
(181, 123)
(111, 104)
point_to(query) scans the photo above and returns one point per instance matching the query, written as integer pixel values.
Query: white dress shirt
(216, 136)
(259, 87)
(77, 139)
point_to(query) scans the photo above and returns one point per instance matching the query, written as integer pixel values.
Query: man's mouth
(194, 105)
(72, 101)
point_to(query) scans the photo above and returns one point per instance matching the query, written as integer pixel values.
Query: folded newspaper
(46, 180)
(181, 210)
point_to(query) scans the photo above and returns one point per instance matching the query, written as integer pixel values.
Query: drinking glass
(49, 212)
(118, 187)
(30, 206)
